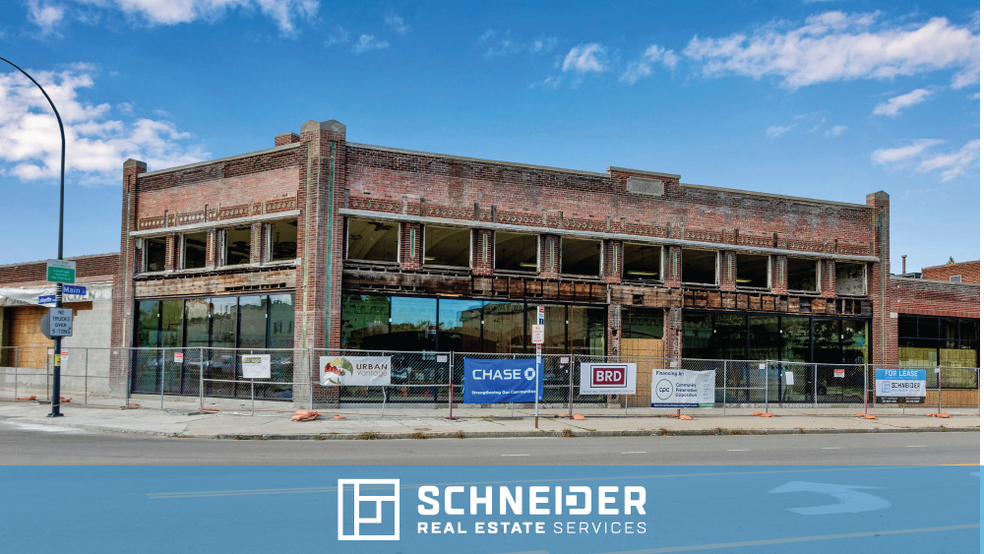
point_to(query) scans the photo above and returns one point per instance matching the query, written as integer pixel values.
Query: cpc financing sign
(608, 378)
(499, 381)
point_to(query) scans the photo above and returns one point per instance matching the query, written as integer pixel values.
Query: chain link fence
(432, 383)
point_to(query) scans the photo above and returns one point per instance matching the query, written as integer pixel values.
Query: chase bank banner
(501, 381)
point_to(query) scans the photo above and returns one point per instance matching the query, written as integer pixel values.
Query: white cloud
(954, 164)
(97, 144)
(587, 58)
(839, 47)
(643, 67)
(337, 35)
(367, 43)
(503, 44)
(286, 13)
(544, 44)
(920, 157)
(396, 23)
(904, 153)
(892, 106)
(45, 15)
(776, 131)
(552, 82)
(835, 131)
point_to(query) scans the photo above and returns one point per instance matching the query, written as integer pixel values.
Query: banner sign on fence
(498, 381)
(680, 388)
(371, 371)
(608, 378)
(900, 385)
(256, 366)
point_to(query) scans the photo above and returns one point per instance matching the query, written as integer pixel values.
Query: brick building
(960, 272)
(322, 243)
(22, 345)
(338, 244)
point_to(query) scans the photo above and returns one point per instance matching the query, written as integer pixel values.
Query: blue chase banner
(499, 381)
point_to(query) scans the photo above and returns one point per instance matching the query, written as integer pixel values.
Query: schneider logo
(368, 509)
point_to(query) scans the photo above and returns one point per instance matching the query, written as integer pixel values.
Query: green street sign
(61, 271)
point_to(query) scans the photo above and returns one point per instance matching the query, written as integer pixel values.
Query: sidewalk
(363, 423)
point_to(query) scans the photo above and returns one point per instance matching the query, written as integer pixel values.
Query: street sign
(538, 334)
(61, 271)
(74, 289)
(57, 323)
(47, 299)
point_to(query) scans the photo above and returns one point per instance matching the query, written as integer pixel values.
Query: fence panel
(418, 381)
(194, 378)
(558, 372)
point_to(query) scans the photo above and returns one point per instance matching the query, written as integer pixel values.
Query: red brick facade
(968, 272)
(321, 180)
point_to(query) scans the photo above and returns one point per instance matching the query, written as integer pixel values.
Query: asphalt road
(47, 445)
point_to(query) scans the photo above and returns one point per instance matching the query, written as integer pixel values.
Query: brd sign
(608, 378)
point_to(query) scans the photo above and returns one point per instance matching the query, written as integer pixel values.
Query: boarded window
(194, 250)
(850, 279)
(156, 252)
(515, 251)
(802, 274)
(580, 257)
(753, 271)
(641, 261)
(699, 267)
(447, 246)
(373, 240)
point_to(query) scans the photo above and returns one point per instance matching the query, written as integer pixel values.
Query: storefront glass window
(587, 330)
(413, 326)
(764, 339)
(460, 325)
(505, 327)
(281, 321)
(252, 321)
(796, 339)
(365, 321)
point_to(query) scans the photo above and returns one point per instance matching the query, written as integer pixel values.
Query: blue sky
(822, 99)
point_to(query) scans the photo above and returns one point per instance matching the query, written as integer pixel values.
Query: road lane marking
(737, 450)
(635, 452)
(915, 446)
(831, 448)
(514, 455)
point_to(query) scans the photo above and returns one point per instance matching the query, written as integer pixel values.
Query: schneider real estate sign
(900, 385)
(680, 388)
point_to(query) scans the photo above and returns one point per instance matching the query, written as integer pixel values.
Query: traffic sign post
(61, 271)
(65, 271)
(538, 333)
(77, 290)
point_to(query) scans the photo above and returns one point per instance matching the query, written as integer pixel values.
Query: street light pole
(56, 369)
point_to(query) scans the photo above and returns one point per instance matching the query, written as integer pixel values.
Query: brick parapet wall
(88, 268)
(935, 298)
(386, 180)
(969, 272)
